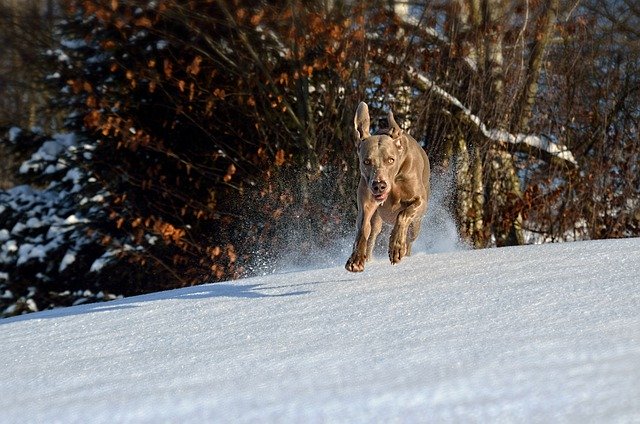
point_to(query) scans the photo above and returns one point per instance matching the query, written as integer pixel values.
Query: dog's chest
(389, 210)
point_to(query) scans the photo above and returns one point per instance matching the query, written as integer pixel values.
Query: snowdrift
(537, 333)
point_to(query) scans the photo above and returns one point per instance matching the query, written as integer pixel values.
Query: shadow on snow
(228, 290)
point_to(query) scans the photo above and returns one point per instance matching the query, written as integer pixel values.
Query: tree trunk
(494, 60)
(505, 195)
(464, 191)
(504, 185)
(480, 234)
(527, 96)
(467, 22)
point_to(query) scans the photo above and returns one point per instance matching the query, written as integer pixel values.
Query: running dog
(393, 188)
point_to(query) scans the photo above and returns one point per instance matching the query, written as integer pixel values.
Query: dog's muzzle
(379, 190)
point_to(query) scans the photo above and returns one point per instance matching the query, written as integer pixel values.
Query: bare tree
(25, 35)
(480, 83)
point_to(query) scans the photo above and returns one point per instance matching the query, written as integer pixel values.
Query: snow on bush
(48, 237)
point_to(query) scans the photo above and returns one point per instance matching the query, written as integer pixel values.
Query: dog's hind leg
(399, 243)
(376, 227)
(412, 234)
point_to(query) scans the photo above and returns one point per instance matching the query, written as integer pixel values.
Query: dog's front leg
(359, 253)
(376, 227)
(398, 240)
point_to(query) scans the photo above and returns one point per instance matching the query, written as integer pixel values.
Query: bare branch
(527, 143)
(261, 65)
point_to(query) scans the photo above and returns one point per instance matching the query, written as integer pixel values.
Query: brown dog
(394, 188)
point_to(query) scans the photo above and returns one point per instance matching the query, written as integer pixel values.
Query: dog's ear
(394, 131)
(394, 128)
(362, 122)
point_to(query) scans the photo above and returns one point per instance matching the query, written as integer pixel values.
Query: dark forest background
(148, 145)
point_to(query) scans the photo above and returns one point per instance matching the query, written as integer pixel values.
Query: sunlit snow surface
(546, 333)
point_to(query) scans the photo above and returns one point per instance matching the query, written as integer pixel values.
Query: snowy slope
(546, 333)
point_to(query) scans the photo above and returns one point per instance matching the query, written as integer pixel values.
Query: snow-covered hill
(546, 333)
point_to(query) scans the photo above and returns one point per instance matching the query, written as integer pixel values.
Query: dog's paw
(355, 263)
(397, 251)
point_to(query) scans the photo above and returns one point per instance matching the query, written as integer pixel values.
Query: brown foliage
(201, 118)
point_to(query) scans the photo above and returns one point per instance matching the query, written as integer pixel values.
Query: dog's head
(380, 155)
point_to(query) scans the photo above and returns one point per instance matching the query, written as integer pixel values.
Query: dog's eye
(390, 161)
(367, 162)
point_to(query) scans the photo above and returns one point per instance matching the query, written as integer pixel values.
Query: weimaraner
(394, 188)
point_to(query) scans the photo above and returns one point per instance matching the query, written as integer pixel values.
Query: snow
(73, 44)
(10, 246)
(72, 220)
(28, 251)
(14, 133)
(74, 174)
(33, 222)
(50, 151)
(99, 263)
(545, 333)
(68, 259)
(18, 228)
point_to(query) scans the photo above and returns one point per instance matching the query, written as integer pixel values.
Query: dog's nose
(379, 186)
